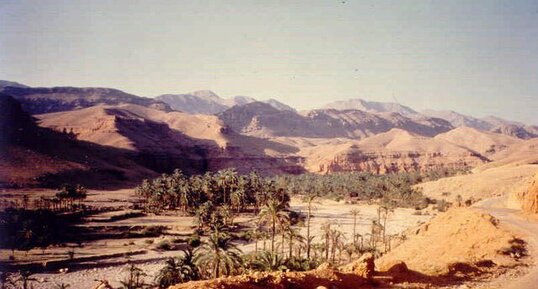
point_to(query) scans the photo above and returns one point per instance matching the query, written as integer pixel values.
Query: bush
(178, 241)
(149, 241)
(153, 231)
(194, 240)
(164, 245)
(442, 206)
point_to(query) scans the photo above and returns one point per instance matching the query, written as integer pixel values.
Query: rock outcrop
(530, 198)
(363, 267)
(324, 278)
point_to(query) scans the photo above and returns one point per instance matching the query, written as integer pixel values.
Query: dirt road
(529, 229)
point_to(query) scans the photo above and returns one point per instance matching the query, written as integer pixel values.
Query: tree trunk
(273, 229)
(354, 237)
(291, 245)
(283, 240)
(308, 229)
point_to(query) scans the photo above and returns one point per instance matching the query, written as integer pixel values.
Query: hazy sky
(476, 57)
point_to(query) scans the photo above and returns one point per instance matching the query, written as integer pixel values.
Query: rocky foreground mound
(461, 237)
(530, 198)
(322, 277)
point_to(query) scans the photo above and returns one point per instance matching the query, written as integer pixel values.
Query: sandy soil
(528, 228)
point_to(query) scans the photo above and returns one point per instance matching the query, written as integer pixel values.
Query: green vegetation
(396, 188)
(178, 270)
(22, 229)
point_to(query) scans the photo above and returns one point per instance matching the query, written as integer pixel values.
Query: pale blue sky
(476, 57)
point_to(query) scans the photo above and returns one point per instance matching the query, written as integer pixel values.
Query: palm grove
(215, 199)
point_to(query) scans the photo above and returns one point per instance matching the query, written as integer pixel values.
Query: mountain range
(108, 137)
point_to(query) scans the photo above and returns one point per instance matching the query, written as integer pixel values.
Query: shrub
(194, 240)
(153, 231)
(163, 245)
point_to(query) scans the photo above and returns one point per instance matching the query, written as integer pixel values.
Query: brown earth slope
(173, 138)
(31, 155)
(393, 151)
(529, 200)
(459, 236)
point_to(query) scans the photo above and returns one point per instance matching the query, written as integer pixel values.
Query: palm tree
(386, 209)
(336, 243)
(273, 213)
(355, 213)
(218, 255)
(256, 234)
(294, 236)
(267, 261)
(310, 198)
(135, 279)
(326, 229)
(178, 270)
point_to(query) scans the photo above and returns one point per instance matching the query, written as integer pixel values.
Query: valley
(140, 183)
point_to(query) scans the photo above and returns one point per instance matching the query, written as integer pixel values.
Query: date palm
(178, 270)
(218, 256)
(310, 199)
(294, 236)
(267, 261)
(326, 229)
(355, 213)
(273, 214)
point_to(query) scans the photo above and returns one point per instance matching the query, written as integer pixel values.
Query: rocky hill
(262, 120)
(393, 151)
(208, 102)
(173, 138)
(32, 155)
(492, 124)
(484, 143)
(459, 238)
(530, 203)
(44, 100)
(371, 106)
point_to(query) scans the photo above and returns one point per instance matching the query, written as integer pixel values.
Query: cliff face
(530, 198)
(383, 163)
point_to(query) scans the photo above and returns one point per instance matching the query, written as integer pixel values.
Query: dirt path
(512, 218)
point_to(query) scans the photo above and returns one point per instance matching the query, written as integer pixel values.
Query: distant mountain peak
(205, 94)
(371, 106)
(6, 83)
(208, 102)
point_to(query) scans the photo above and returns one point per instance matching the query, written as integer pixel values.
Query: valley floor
(84, 274)
(150, 260)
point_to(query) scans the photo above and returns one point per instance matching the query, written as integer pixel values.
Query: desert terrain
(390, 196)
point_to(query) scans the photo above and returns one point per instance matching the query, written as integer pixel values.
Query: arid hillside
(506, 174)
(32, 155)
(460, 236)
(43, 100)
(269, 137)
(393, 151)
(262, 120)
(526, 199)
(530, 201)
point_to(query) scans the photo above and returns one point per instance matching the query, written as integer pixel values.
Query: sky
(474, 57)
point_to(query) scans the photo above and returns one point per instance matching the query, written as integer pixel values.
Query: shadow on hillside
(457, 275)
(158, 149)
(164, 149)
